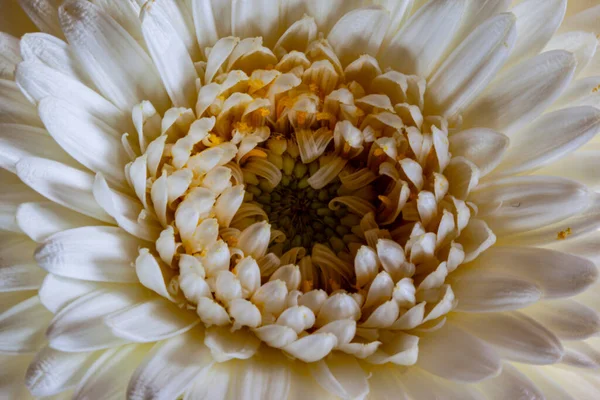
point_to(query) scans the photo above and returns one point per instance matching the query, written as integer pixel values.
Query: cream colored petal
(420, 45)
(522, 93)
(456, 83)
(359, 32)
(537, 21)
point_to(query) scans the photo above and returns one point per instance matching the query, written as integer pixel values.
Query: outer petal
(39, 81)
(169, 368)
(78, 327)
(341, 375)
(582, 44)
(108, 376)
(543, 267)
(44, 15)
(91, 253)
(170, 56)
(116, 63)
(515, 336)
(22, 327)
(549, 138)
(86, 138)
(454, 354)
(40, 220)
(268, 377)
(52, 371)
(420, 45)
(511, 384)
(151, 321)
(20, 141)
(458, 82)
(251, 18)
(537, 21)
(62, 184)
(359, 32)
(523, 203)
(523, 92)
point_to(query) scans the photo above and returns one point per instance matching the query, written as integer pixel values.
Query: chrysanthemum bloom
(300, 199)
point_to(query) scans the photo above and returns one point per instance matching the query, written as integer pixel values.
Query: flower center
(299, 194)
(299, 211)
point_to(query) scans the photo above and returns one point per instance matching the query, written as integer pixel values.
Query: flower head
(210, 198)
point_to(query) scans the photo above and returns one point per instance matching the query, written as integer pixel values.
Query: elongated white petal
(40, 220)
(151, 321)
(490, 291)
(537, 21)
(170, 55)
(543, 267)
(420, 384)
(20, 141)
(523, 92)
(108, 376)
(515, 336)
(521, 204)
(206, 13)
(582, 44)
(115, 62)
(581, 92)
(213, 384)
(22, 276)
(54, 53)
(326, 14)
(170, 367)
(468, 359)
(40, 81)
(267, 378)
(15, 108)
(359, 32)
(22, 327)
(549, 138)
(86, 139)
(245, 17)
(62, 184)
(53, 371)
(341, 376)
(44, 15)
(15, 193)
(57, 291)
(453, 87)
(78, 326)
(511, 383)
(9, 57)
(583, 223)
(93, 253)
(420, 45)
(567, 319)
(125, 14)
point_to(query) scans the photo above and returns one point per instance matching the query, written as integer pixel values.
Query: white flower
(300, 199)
